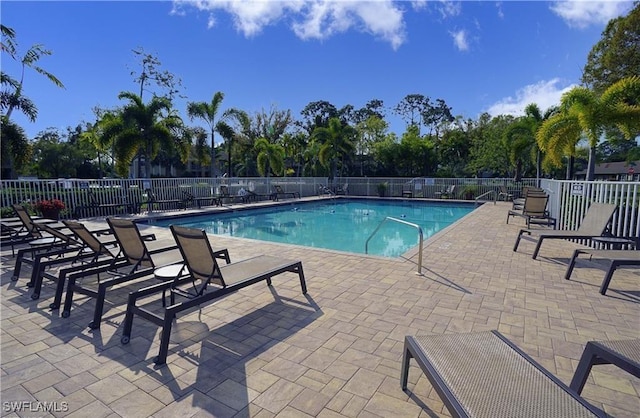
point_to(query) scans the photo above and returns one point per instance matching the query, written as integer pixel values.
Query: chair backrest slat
(597, 219)
(26, 219)
(87, 238)
(131, 243)
(535, 205)
(198, 255)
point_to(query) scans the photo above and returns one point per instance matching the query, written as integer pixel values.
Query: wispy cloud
(448, 8)
(460, 39)
(583, 13)
(309, 19)
(544, 93)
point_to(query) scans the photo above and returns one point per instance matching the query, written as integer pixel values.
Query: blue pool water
(339, 224)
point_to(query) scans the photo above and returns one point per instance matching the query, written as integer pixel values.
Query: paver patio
(336, 352)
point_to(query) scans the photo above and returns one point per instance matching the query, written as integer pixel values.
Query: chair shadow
(222, 355)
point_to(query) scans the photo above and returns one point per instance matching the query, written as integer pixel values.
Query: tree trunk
(569, 174)
(538, 167)
(518, 174)
(591, 168)
(213, 155)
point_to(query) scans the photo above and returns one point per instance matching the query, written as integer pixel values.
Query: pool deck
(336, 352)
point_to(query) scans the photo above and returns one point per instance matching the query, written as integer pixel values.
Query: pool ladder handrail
(389, 218)
(495, 196)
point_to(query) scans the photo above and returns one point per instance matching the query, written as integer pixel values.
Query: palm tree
(141, 129)
(11, 96)
(243, 125)
(270, 157)
(200, 149)
(583, 114)
(14, 99)
(520, 138)
(336, 140)
(209, 112)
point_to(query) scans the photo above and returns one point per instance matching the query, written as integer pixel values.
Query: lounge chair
(504, 194)
(518, 202)
(342, 189)
(153, 202)
(594, 224)
(256, 197)
(23, 229)
(136, 262)
(58, 248)
(93, 207)
(224, 194)
(483, 374)
(209, 281)
(407, 189)
(88, 253)
(617, 258)
(189, 199)
(534, 210)
(624, 354)
(449, 192)
(279, 191)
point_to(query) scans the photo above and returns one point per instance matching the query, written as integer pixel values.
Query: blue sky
(478, 56)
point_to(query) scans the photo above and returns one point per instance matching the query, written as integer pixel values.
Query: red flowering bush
(49, 205)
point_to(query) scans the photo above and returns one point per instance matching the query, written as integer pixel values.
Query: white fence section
(568, 200)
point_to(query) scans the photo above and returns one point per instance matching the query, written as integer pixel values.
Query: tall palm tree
(201, 149)
(336, 140)
(141, 129)
(584, 114)
(209, 113)
(11, 96)
(521, 138)
(15, 99)
(230, 134)
(270, 157)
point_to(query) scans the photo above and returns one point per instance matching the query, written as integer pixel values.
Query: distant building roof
(620, 167)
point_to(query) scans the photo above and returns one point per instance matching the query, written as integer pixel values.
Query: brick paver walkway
(336, 352)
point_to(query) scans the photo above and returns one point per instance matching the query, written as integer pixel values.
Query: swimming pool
(336, 224)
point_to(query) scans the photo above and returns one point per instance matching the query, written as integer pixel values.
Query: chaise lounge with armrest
(534, 210)
(24, 228)
(188, 199)
(66, 249)
(94, 207)
(617, 258)
(161, 203)
(209, 281)
(136, 261)
(483, 374)
(594, 224)
(449, 192)
(279, 191)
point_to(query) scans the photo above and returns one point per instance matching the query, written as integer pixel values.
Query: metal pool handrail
(495, 197)
(389, 218)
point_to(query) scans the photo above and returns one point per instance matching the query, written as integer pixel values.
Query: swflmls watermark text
(35, 406)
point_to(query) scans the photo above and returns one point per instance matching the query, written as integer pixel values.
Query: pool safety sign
(577, 189)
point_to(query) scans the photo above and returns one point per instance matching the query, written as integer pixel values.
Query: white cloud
(544, 93)
(460, 40)
(309, 19)
(583, 13)
(448, 8)
(499, 8)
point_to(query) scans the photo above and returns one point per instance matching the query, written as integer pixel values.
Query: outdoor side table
(168, 273)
